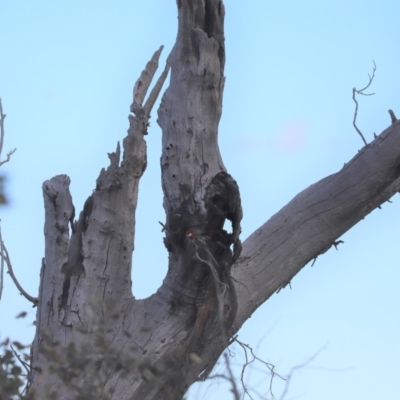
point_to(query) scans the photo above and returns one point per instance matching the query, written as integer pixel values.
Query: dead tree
(175, 336)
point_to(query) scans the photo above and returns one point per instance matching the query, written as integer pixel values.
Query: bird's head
(190, 234)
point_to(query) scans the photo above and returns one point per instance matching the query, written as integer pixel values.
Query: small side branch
(246, 348)
(361, 91)
(1, 267)
(2, 132)
(23, 363)
(5, 257)
(337, 242)
(228, 377)
(143, 83)
(392, 116)
(156, 89)
(289, 377)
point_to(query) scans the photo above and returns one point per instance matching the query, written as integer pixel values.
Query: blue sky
(67, 71)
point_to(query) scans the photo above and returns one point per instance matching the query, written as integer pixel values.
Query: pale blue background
(66, 75)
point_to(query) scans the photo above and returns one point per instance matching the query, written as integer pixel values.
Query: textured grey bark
(175, 335)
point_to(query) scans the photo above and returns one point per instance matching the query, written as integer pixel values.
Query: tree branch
(2, 133)
(296, 368)
(231, 378)
(270, 367)
(1, 266)
(93, 263)
(361, 91)
(157, 88)
(143, 83)
(392, 116)
(5, 257)
(310, 223)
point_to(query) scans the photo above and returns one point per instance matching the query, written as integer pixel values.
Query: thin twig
(231, 379)
(244, 369)
(24, 364)
(270, 366)
(5, 256)
(297, 367)
(361, 91)
(2, 132)
(2, 118)
(1, 267)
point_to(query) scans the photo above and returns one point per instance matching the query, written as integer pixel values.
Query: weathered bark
(175, 335)
(310, 223)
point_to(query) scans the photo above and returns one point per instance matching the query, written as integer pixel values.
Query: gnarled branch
(6, 258)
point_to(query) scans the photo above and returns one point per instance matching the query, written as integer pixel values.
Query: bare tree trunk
(174, 337)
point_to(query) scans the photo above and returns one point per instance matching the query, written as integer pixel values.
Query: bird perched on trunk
(198, 240)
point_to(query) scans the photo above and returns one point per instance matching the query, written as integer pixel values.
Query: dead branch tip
(2, 133)
(361, 92)
(248, 351)
(392, 116)
(143, 83)
(336, 243)
(6, 258)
